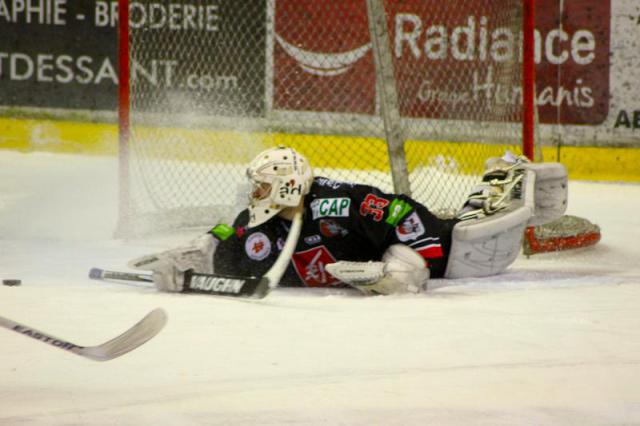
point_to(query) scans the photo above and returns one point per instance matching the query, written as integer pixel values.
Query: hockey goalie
(356, 235)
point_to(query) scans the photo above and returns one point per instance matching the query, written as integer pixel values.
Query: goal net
(410, 96)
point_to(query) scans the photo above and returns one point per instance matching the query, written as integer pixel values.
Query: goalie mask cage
(410, 96)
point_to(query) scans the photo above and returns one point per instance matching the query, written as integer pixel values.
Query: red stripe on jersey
(430, 252)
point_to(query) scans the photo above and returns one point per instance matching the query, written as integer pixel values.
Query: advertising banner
(202, 57)
(573, 60)
(323, 59)
(237, 58)
(54, 54)
(63, 54)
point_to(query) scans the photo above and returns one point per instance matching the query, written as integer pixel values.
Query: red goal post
(206, 84)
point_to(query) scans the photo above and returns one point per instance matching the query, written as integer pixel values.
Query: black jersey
(342, 221)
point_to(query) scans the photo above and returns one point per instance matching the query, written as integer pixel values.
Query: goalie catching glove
(402, 270)
(169, 267)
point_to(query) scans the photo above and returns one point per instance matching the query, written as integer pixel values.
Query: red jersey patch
(310, 266)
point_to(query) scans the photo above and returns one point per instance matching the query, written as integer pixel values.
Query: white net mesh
(215, 82)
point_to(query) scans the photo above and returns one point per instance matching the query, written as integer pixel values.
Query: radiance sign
(323, 59)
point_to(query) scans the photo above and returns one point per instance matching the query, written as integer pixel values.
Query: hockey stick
(225, 285)
(194, 282)
(140, 333)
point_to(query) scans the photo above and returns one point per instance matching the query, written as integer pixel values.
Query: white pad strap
(357, 273)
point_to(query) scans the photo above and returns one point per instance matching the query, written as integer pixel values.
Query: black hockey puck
(11, 282)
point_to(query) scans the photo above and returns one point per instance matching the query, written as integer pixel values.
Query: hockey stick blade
(103, 274)
(131, 339)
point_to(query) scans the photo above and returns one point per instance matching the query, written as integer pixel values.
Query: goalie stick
(225, 285)
(137, 335)
(102, 274)
(216, 284)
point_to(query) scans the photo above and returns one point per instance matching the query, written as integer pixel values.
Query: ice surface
(555, 340)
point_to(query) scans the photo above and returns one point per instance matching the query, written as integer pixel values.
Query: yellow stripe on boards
(348, 152)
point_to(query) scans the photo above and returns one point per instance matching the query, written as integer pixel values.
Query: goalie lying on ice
(357, 235)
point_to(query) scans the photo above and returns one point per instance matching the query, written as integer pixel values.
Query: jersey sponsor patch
(222, 231)
(310, 267)
(330, 228)
(429, 248)
(257, 246)
(411, 228)
(312, 240)
(329, 183)
(330, 207)
(372, 206)
(397, 210)
(290, 188)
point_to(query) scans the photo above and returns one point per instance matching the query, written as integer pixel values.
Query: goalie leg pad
(551, 192)
(492, 195)
(488, 245)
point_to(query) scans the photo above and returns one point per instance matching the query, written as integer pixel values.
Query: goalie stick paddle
(131, 339)
(224, 285)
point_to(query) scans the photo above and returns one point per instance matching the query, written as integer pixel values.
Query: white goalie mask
(280, 177)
